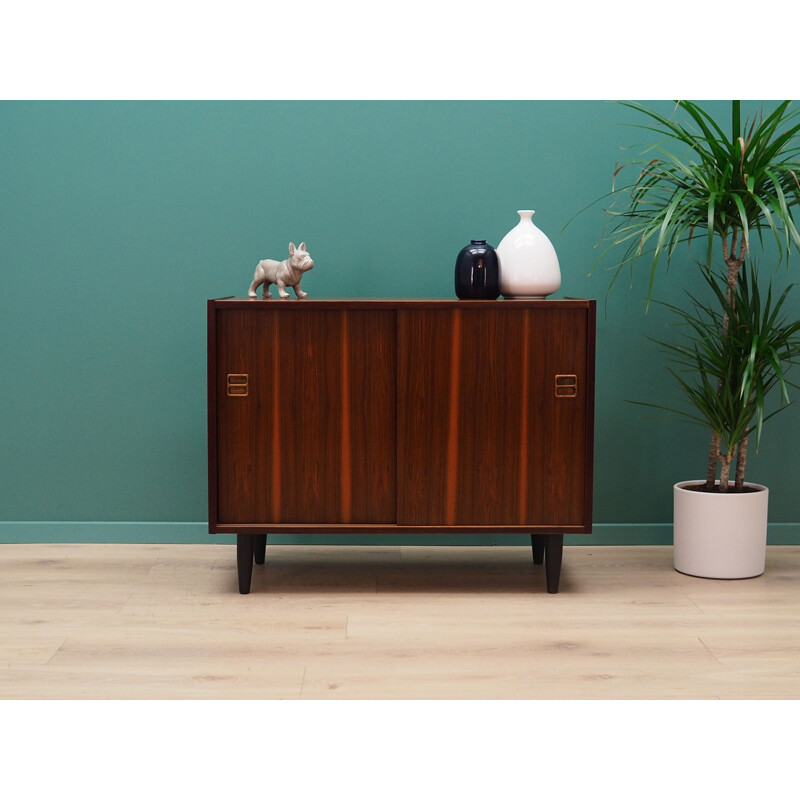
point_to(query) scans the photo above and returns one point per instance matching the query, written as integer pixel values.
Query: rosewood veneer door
(313, 439)
(482, 437)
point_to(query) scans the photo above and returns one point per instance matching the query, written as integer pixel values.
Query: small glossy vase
(528, 262)
(477, 272)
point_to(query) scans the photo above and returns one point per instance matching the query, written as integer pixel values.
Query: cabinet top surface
(389, 303)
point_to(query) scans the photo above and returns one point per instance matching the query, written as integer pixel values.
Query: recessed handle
(566, 386)
(237, 384)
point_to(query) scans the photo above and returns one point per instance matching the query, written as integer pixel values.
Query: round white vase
(528, 264)
(720, 535)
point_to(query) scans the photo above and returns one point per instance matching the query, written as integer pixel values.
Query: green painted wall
(119, 219)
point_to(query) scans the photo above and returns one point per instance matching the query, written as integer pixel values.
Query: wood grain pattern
(558, 436)
(372, 412)
(521, 451)
(246, 441)
(389, 304)
(591, 347)
(424, 379)
(346, 484)
(151, 621)
(524, 418)
(453, 409)
(275, 466)
(314, 440)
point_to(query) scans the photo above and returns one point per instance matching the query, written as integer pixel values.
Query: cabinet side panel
(591, 343)
(211, 400)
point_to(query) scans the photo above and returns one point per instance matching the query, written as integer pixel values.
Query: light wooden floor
(166, 621)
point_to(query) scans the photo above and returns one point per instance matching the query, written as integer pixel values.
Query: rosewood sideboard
(400, 416)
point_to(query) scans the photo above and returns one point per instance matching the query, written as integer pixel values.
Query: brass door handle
(237, 384)
(566, 385)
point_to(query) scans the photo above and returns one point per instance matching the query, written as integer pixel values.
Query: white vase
(528, 264)
(720, 535)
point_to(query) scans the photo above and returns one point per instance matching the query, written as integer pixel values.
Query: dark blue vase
(477, 276)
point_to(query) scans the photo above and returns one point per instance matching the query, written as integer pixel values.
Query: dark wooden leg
(553, 548)
(244, 560)
(537, 543)
(260, 548)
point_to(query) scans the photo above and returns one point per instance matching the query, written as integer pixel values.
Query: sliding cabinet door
(305, 415)
(492, 415)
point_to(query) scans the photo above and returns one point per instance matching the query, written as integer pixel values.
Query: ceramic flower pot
(720, 535)
(528, 262)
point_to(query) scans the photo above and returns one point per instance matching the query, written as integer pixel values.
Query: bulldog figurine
(284, 273)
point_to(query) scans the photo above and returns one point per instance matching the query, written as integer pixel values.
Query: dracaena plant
(699, 181)
(736, 349)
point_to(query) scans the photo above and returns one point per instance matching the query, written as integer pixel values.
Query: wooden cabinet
(402, 416)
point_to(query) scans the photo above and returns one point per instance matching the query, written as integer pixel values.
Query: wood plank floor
(166, 621)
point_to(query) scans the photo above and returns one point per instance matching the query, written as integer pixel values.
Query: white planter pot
(528, 264)
(720, 535)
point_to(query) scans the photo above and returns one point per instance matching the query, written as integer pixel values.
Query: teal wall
(119, 219)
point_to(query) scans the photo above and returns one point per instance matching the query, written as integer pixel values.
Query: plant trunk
(713, 460)
(733, 261)
(741, 464)
(725, 471)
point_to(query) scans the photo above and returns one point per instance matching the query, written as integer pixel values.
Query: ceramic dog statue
(284, 273)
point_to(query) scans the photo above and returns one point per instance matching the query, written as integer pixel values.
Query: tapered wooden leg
(537, 544)
(260, 548)
(553, 550)
(244, 560)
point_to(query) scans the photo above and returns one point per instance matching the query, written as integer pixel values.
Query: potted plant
(736, 350)
(727, 188)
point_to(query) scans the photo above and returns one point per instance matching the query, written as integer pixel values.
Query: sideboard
(400, 416)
